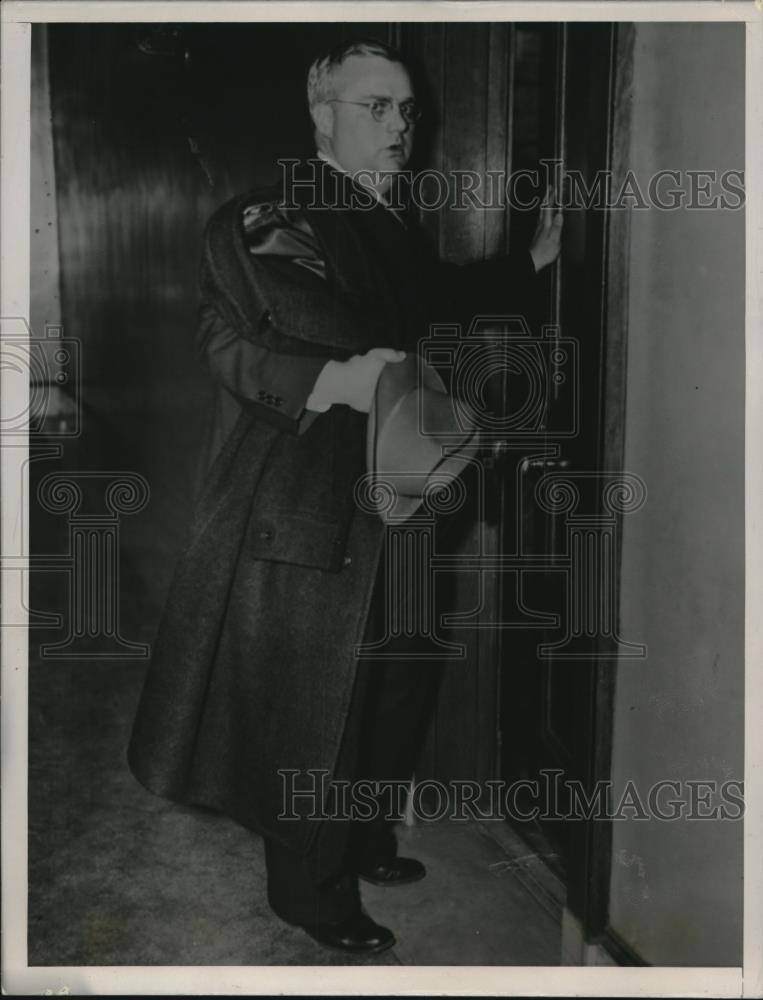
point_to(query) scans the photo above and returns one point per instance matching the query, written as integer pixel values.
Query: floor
(120, 877)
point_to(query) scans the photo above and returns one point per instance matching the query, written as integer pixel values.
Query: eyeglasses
(382, 108)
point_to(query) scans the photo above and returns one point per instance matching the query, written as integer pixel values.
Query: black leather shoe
(357, 934)
(396, 871)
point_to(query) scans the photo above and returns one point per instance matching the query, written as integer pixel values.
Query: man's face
(354, 139)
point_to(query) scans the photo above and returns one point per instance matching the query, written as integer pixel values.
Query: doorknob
(499, 448)
(547, 463)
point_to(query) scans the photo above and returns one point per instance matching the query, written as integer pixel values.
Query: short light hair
(319, 76)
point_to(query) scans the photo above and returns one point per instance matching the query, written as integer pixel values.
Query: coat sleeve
(275, 385)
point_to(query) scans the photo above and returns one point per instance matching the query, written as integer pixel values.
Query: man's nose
(396, 122)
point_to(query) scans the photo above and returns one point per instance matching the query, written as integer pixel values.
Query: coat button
(348, 560)
(267, 535)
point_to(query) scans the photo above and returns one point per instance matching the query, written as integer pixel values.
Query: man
(254, 686)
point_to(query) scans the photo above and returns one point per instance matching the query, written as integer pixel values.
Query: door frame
(592, 911)
(596, 925)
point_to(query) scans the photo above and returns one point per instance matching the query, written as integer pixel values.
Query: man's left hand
(547, 240)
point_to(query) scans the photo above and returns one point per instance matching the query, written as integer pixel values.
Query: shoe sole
(392, 882)
(376, 950)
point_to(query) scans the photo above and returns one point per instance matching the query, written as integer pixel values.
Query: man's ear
(323, 117)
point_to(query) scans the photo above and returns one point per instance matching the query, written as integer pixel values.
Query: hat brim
(416, 446)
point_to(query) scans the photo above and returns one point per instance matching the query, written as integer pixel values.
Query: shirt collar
(337, 166)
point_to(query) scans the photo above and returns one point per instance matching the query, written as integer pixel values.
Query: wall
(155, 126)
(677, 886)
(45, 292)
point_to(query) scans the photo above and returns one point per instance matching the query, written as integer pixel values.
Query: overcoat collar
(360, 288)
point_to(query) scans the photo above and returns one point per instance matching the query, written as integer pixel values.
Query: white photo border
(18, 977)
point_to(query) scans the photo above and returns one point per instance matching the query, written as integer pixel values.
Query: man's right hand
(351, 382)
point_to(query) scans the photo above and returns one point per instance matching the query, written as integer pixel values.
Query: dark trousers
(392, 704)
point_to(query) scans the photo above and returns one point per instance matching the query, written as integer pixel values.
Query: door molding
(596, 926)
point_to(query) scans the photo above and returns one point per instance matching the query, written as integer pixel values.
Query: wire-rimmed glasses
(382, 107)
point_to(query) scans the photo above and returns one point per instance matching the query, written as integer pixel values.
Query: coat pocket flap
(298, 539)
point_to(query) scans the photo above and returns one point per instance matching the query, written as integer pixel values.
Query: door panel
(465, 72)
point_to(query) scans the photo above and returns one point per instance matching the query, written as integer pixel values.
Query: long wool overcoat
(253, 666)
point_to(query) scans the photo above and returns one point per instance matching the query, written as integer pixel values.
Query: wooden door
(527, 699)
(557, 681)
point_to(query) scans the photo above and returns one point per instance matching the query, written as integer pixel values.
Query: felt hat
(417, 444)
